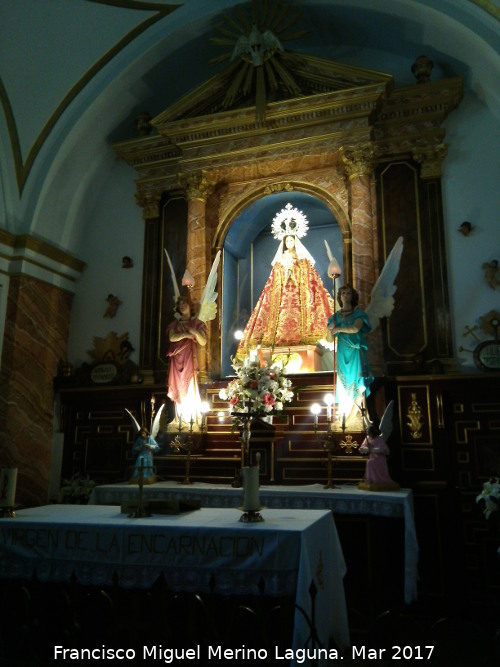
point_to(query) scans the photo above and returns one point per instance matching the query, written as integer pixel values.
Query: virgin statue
(294, 305)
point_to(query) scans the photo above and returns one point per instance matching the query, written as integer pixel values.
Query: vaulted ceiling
(74, 76)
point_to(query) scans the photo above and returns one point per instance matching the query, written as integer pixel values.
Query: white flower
(491, 496)
(257, 390)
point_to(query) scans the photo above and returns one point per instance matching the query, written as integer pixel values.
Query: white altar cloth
(344, 499)
(207, 550)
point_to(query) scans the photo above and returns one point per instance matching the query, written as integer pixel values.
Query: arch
(238, 267)
(254, 193)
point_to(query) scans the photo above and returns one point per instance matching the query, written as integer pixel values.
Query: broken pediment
(293, 76)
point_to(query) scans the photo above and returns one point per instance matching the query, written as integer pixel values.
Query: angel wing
(177, 292)
(386, 423)
(134, 421)
(381, 298)
(208, 305)
(156, 422)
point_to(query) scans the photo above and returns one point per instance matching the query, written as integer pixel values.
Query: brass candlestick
(140, 511)
(330, 444)
(185, 444)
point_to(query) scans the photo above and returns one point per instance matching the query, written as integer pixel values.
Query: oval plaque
(104, 373)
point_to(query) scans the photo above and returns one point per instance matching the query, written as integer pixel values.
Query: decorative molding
(197, 186)
(430, 160)
(149, 201)
(358, 160)
(414, 416)
(27, 255)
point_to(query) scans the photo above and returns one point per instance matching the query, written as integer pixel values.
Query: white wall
(471, 192)
(114, 229)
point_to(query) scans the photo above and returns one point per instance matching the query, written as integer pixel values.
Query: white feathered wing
(175, 286)
(386, 423)
(382, 295)
(155, 427)
(208, 302)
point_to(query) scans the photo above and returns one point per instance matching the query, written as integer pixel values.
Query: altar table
(206, 550)
(345, 499)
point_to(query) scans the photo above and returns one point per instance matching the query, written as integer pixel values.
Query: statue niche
(290, 315)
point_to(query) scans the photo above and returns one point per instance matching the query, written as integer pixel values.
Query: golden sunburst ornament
(256, 43)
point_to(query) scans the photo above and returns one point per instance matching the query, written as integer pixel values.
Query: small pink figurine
(377, 476)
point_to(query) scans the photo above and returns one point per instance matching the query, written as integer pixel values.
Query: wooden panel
(420, 324)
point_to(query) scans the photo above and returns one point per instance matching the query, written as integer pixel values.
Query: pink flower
(268, 399)
(233, 401)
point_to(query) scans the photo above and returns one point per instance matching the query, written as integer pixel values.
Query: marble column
(198, 188)
(35, 340)
(358, 163)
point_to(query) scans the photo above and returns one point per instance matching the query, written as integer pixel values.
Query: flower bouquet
(491, 497)
(259, 390)
(76, 490)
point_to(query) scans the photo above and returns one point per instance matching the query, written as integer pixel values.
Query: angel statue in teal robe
(144, 447)
(348, 328)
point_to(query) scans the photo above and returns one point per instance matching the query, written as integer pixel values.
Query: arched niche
(249, 248)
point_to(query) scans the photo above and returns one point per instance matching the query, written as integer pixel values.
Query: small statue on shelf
(377, 477)
(145, 446)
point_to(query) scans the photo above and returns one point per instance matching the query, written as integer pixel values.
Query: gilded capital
(150, 204)
(197, 186)
(358, 160)
(430, 159)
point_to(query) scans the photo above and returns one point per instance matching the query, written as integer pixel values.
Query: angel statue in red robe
(185, 333)
(294, 305)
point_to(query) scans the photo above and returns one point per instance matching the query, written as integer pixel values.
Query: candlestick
(8, 480)
(315, 409)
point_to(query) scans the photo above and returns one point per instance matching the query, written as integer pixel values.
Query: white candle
(8, 480)
(251, 501)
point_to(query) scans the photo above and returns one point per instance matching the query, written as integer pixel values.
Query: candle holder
(251, 501)
(184, 443)
(140, 512)
(7, 513)
(251, 516)
(8, 480)
(330, 444)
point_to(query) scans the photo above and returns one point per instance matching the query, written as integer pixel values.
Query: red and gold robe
(292, 310)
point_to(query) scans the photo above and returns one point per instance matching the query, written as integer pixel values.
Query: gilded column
(198, 188)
